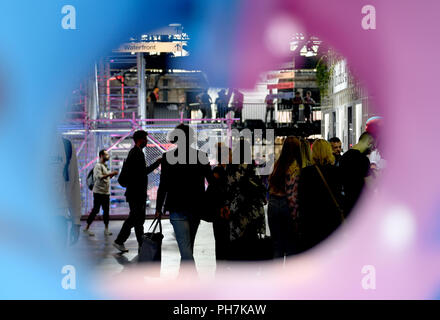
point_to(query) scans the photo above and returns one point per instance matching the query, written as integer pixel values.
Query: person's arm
(163, 186)
(154, 166)
(99, 173)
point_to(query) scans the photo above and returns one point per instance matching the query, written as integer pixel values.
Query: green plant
(323, 74)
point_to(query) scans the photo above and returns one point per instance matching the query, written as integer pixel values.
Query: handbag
(151, 248)
(338, 207)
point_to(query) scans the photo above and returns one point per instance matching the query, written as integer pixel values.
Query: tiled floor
(106, 258)
(101, 253)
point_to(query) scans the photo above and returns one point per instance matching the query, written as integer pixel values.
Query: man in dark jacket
(182, 182)
(355, 167)
(136, 193)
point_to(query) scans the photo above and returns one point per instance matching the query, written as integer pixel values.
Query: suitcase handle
(158, 222)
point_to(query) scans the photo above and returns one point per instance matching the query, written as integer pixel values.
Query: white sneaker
(88, 232)
(120, 247)
(107, 232)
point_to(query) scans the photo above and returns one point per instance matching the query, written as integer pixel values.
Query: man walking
(101, 192)
(136, 192)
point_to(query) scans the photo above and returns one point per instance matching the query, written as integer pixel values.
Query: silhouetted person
(182, 188)
(283, 204)
(270, 106)
(296, 102)
(205, 107)
(309, 103)
(152, 102)
(136, 193)
(355, 167)
(237, 104)
(318, 213)
(222, 104)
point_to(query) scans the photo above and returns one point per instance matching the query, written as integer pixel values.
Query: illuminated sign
(151, 47)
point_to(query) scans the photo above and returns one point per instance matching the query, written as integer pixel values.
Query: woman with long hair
(282, 208)
(319, 196)
(306, 153)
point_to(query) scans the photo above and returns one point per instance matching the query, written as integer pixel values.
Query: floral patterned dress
(246, 196)
(292, 179)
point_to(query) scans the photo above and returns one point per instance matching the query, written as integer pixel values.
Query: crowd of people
(294, 104)
(223, 103)
(309, 193)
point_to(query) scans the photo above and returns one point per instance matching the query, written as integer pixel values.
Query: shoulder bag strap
(331, 193)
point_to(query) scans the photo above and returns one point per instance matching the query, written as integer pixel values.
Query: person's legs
(128, 224)
(284, 219)
(237, 114)
(106, 209)
(275, 226)
(295, 114)
(182, 229)
(221, 235)
(139, 220)
(150, 110)
(208, 112)
(97, 202)
(203, 113)
(307, 113)
(193, 227)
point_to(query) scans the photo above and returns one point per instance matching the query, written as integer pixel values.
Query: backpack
(90, 179)
(123, 176)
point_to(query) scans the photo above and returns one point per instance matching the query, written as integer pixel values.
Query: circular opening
(304, 192)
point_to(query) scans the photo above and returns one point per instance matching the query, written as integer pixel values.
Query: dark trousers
(150, 110)
(203, 114)
(136, 219)
(221, 112)
(281, 226)
(237, 114)
(222, 241)
(269, 111)
(295, 114)
(100, 200)
(307, 113)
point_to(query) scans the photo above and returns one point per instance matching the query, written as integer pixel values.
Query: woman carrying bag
(319, 196)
